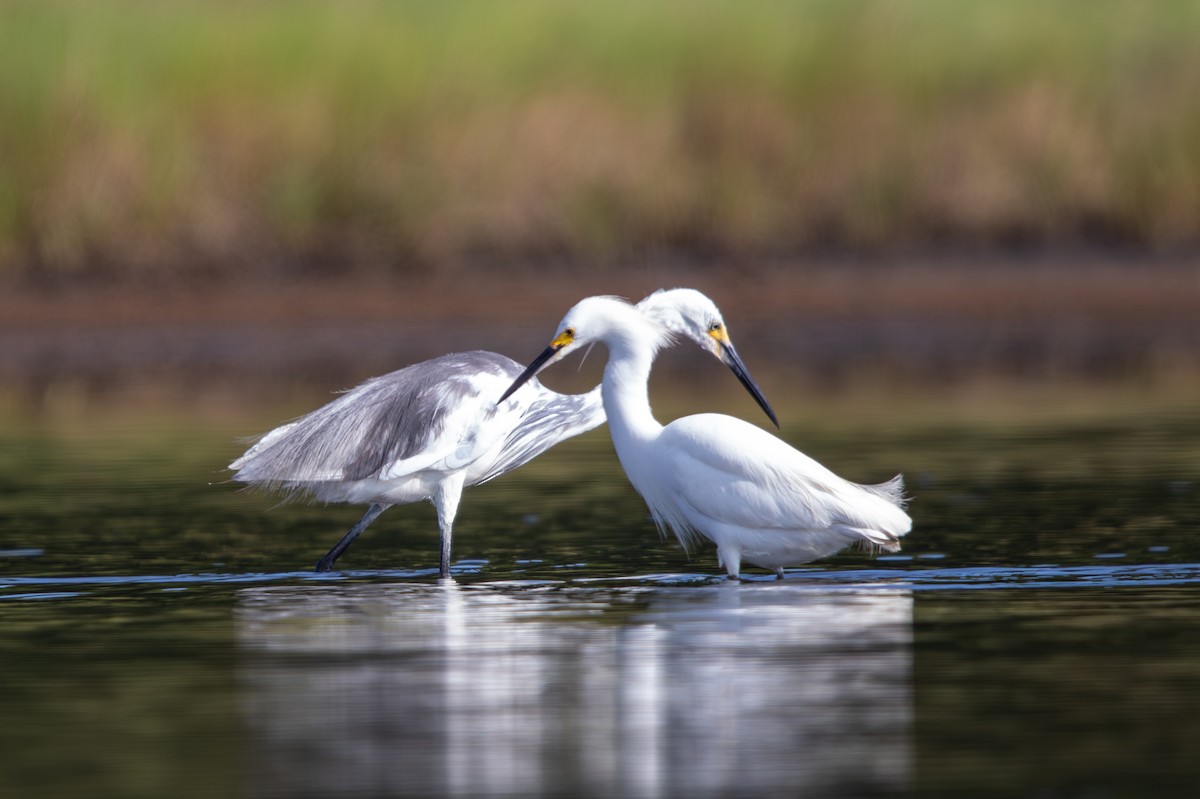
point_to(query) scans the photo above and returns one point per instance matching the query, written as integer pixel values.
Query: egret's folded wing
(733, 471)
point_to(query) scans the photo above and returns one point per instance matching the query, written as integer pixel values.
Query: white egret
(431, 429)
(711, 475)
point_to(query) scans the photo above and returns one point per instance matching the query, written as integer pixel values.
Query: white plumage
(431, 429)
(757, 498)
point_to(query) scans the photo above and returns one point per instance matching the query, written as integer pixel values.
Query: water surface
(1039, 635)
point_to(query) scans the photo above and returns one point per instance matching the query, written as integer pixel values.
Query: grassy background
(170, 141)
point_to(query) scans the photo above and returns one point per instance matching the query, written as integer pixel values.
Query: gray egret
(714, 476)
(429, 430)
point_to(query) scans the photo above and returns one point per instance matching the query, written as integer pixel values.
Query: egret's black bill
(734, 362)
(532, 370)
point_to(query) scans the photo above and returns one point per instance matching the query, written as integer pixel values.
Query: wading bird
(711, 475)
(429, 430)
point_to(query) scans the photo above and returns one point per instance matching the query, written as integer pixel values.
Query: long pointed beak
(539, 363)
(731, 359)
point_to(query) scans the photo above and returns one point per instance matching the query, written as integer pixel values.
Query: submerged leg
(326, 563)
(445, 500)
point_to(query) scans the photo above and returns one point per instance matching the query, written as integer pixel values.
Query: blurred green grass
(143, 140)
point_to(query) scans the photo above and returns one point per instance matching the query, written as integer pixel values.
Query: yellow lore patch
(719, 334)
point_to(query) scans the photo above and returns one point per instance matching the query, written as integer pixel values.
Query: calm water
(1039, 636)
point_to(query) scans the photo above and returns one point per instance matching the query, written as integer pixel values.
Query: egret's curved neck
(625, 392)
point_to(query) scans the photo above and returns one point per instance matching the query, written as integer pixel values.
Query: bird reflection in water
(539, 690)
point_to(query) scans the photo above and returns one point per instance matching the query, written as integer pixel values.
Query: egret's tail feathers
(881, 529)
(892, 491)
(879, 540)
(258, 445)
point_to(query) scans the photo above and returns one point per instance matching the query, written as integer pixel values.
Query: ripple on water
(916, 579)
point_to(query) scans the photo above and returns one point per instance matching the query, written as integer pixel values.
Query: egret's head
(593, 319)
(690, 313)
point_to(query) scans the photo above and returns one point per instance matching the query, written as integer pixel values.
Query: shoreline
(1137, 288)
(805, 326)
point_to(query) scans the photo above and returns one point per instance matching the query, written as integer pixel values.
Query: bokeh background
(200, 199)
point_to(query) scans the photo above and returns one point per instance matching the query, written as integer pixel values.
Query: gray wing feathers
(385, 419)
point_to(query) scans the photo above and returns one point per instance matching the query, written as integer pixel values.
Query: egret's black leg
(326, 563)
(444, 559)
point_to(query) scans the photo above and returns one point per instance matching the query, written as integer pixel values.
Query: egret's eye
(564, 338)
(715, 327)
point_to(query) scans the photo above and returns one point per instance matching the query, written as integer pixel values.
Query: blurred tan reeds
(173, 142)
